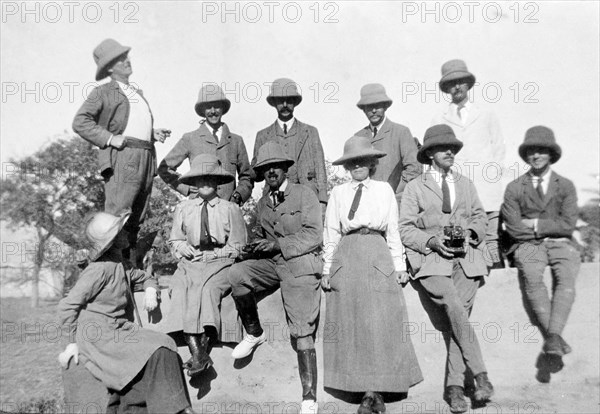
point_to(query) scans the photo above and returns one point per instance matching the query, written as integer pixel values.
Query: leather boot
(200, 361)
(454, 395)
(378, 403)
(366, 405)
(484, 389)
(246, 307)
(307, 367)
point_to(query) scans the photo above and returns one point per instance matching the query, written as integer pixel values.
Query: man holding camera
(442, 225)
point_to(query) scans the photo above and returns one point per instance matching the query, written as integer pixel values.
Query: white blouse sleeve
(331, 230)
(392, 234)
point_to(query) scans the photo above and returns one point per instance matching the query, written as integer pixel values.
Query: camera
(455, 239)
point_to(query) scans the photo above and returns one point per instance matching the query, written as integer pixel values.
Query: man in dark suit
(540, 212)
(289, 256)
(212, 137)
(400, 165)
(299, 141)
(117, 119)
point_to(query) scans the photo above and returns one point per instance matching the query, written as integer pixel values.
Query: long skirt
(197, 289)
(366, 343)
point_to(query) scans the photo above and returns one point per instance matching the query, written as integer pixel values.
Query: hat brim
(263, 165)
(95, 254)
(446, 81)
(555, 151)
(271, 99)
(422, 153)
(357, 156)
(108, 62)
(222, 178)
(362, 103)
(201, 106)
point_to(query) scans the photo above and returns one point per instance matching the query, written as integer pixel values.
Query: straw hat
(358, 147)
(101, 230)
(373, 93)
(284, 88)
(208, 94)
(454, 70)
(105, 54)
(271, 153)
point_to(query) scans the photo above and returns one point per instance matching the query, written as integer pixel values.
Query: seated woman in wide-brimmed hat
(208, 233)
(138, 365)
(363, 269)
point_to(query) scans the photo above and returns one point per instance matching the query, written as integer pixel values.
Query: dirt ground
(269, 383)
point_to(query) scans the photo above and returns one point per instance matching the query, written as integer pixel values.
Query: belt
(131, 142)
(557, 239)
(366, 230)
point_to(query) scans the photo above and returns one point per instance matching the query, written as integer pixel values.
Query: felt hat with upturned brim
(283, 88)
(101, 230)
(543, 137)
(206, 165)
(454, 70)
(373, 93)
(271, 153)
(435, 136)
(358, 148)
(209, 94)
(106, 54)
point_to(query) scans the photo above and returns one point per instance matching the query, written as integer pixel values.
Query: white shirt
(139, 123)
(545, 180)
(436, 172)
(288, 124)
(372, 127)
(377, 210)
(218, 131)
(464, 112)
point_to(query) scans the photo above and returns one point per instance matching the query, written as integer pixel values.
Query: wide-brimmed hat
(105, 54)
(358, 148)
(437, 135)
(540, 136)
(283, 88)
(101, 230)
(208, 94)
(454, 70)
(271, 153)
(373, 93)
(206, 165)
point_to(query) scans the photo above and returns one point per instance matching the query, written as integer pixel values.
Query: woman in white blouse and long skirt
(366, 344)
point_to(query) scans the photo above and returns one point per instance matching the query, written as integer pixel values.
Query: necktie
(205, 239)
(446, 205)
(284, 129)
(539, 188)
(274, 196)
(355, 202)
(374, 132)
(215, 135)
(458, 109)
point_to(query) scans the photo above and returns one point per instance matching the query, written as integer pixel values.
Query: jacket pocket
(382, 279)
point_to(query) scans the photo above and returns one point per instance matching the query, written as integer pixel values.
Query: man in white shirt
(482, 158)
(117, 118)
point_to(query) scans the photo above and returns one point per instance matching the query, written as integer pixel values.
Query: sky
(536, 63)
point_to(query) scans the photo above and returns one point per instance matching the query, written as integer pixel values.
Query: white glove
(150, 299)
(71, 351)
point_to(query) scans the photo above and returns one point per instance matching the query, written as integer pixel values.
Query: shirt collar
(126, 87)
(545, 177)
(466, 105)
(371, 127)
(354, 184)
(282, 187)
(212, 202)
(289, 123)
(437, 172)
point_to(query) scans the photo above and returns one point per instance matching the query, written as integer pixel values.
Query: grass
(30, 379)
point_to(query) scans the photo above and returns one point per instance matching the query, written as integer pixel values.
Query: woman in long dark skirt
(369, 349)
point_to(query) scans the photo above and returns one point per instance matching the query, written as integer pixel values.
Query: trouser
(130, 186)
(549, 315)
(448, 302)
(301, 294)
(158, 388)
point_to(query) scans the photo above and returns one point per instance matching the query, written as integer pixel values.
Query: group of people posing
(409, 214)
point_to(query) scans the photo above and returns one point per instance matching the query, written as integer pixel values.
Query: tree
(52, 191)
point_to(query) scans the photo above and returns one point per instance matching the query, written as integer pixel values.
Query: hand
(529, 223)
(161, 134)
(150, 299)
(326, 282)
(236, 198)
(186, 250)
(71, 351)
(401, 277)
(436, 244)
(117, 141)
(266, 246)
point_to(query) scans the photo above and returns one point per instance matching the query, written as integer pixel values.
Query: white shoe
(244, 348)
(309, 407)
